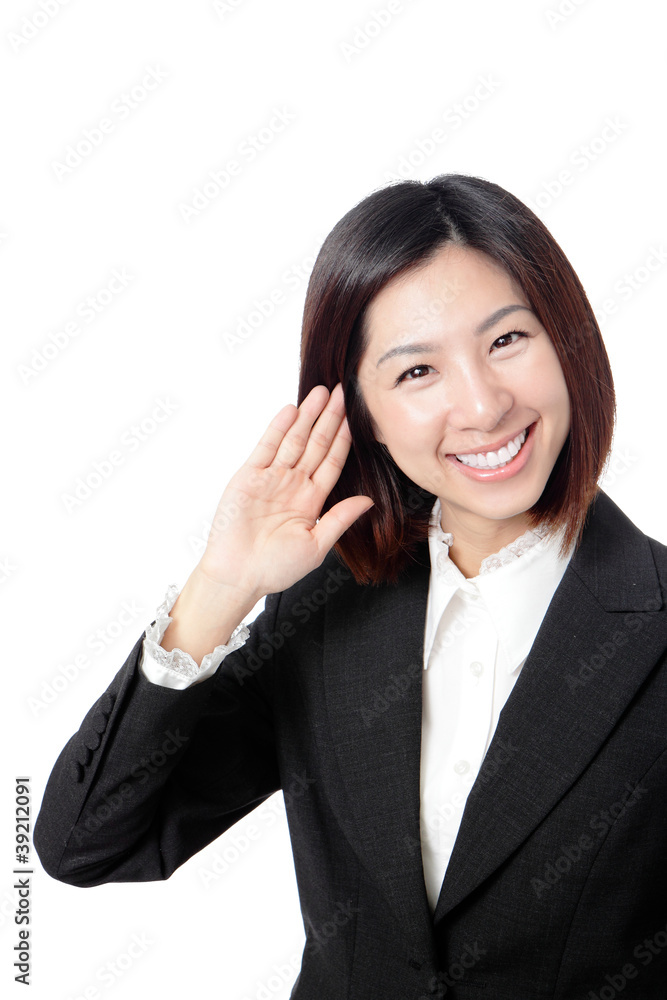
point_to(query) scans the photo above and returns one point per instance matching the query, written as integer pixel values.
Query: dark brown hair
(401, 227)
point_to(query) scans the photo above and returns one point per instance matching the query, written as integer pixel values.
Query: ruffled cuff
(176, 668)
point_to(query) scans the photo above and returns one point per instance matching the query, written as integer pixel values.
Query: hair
(397, 229)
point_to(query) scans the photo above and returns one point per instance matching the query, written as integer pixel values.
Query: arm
(155, 774)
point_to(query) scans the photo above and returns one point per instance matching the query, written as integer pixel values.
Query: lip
(506, 471)
(496, 446)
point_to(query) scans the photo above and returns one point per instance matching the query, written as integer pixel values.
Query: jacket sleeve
(155, 774)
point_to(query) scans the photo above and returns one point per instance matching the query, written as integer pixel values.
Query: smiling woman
(434, 274)
(462, 657)
(473, 390)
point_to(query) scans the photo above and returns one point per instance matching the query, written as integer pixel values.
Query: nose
(477, 400)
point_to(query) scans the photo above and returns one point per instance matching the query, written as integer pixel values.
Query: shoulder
(608, 519)
(332, 590)
(618, 561)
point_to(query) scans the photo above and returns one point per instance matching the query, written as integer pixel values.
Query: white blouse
(479, 632)
(469, 671)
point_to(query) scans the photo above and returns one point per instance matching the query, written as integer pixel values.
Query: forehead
(455, 291)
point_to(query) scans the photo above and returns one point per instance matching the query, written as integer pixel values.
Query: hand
(266, 534)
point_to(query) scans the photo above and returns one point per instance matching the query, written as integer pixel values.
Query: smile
(504, 462)
(495, 459)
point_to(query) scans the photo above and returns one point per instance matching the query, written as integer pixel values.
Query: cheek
(559, 400)
(405, 426)
(550, 390)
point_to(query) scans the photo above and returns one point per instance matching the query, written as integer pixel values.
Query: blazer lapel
(547, 733)
(373, 664)
(588, 660)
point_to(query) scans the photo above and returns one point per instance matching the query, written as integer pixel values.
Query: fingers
(331, 466)
(329, 434)
(267, 447)
(311, 434)
(314, 438)
(288, 435)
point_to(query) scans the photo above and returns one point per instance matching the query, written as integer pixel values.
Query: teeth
(495, 459)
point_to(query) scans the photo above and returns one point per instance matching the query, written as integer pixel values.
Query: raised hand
(266, 534)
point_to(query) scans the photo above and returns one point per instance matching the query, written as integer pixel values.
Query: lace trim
(178, 661)
(507, 554)
(514, 550)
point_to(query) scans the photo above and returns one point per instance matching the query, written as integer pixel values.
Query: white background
(361, 101)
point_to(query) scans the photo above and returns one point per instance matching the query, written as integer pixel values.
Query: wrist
(205, 615)
(211, 593)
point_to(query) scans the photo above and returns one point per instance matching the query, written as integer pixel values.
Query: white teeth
(495, 459)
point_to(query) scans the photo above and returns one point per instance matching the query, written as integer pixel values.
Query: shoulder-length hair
(401, 227)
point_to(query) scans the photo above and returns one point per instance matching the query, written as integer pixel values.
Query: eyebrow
(420, 348)
(497, 316)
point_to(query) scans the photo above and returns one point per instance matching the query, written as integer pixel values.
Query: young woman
(461, 661)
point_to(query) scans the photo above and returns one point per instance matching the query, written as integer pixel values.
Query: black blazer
(557, 886)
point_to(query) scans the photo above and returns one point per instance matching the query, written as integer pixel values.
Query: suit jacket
(557, 885)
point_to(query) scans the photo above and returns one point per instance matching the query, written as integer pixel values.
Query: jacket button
(106, 703)
(99, 722)
(76, 771)
(92, 740)
(84, 754)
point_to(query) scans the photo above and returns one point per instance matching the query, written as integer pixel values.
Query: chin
(498, 508)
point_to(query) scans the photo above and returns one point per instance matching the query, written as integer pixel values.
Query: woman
(466, 700)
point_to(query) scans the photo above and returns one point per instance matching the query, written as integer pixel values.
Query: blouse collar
(516, 584)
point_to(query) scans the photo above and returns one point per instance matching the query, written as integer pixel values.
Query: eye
(409, 373)
(506, 337)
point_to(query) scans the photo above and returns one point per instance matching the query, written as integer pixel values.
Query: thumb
(336, 521)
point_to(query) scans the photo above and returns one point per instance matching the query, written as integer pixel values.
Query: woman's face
(458, 365)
